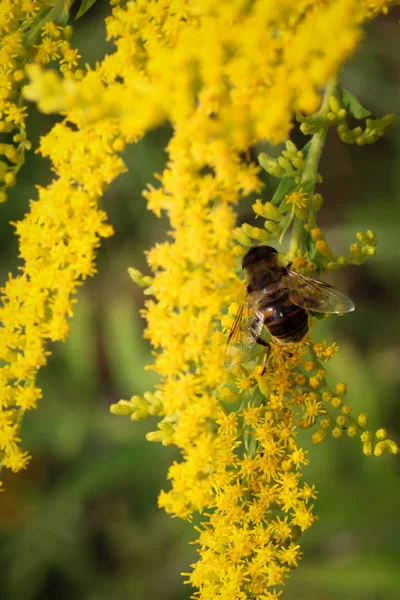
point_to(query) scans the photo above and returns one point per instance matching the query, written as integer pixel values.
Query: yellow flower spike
(319, 435)
(346, 409)
(367, 438)
(386, 446)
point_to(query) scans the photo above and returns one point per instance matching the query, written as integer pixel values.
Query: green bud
(260, 234)
(271, 226)
(271, 212)
(285, 164)
(298, 163)
(122, 408)
(270, 165)
(241, 237)
(369, 251)
(136, 277)
(317, 202)
(291, 147)
(164, 435)
(334, 104)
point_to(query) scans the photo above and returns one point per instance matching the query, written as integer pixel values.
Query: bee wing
(243, 334)
(316, 296)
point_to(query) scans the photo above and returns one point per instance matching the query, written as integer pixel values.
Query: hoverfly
(280, 300)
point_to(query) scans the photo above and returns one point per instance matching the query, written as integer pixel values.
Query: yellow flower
(297, 199)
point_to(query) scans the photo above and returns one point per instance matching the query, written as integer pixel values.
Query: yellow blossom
(297, 199)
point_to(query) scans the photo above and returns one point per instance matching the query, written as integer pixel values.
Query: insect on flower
(280, 300)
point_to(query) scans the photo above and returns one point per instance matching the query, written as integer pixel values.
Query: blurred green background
(82, 522)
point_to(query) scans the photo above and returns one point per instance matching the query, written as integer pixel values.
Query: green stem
(310, 171)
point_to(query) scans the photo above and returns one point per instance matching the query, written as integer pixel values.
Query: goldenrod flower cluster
(226, 75)
(28, 33)
(57, 242)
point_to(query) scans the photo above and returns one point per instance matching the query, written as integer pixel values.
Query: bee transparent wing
(316, 296)
(243, 335)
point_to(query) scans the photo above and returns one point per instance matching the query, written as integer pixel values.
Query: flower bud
(324, 249)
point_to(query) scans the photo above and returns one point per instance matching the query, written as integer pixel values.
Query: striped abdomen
(284, 320)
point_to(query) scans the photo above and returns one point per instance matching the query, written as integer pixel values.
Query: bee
(281, 300)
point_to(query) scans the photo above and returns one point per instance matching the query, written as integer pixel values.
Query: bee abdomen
(286, 322)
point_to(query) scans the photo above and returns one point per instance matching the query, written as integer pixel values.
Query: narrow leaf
(84, 7)
(285, 186)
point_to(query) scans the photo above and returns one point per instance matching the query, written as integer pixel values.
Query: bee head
(258, 254)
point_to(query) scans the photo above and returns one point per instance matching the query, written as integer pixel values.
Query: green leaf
(286, 224)
(352, 105)
(84, 7)
(285, 186)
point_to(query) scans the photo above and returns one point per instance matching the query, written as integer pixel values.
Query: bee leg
(262, 342)
(266, 357)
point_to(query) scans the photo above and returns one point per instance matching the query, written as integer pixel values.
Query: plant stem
(310, 172)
